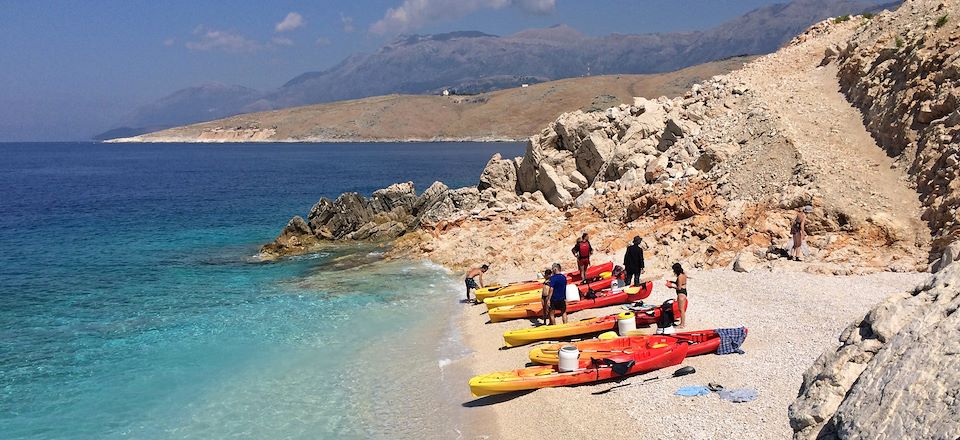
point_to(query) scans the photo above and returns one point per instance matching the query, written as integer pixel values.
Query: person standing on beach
(680, 285)
(633, 262)
(469, 279)
(558, 295)
(545, 295)
(798, 230)
(582, 250)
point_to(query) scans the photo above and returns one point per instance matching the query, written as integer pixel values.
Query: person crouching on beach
(469, 279)
(558, 295)
(545, 295)
(680, 285)
(582, 250)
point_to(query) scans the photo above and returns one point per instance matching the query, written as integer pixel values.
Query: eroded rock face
(903, 72)
(895, 374)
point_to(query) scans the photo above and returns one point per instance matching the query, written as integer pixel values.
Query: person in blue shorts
(557, 301)
(469, 279)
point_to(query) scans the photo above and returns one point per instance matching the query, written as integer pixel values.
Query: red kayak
(524, 286)
(604, 298)
(701, 342)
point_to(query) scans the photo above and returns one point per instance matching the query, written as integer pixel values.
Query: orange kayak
(524, 286)
(701, 342)
(604, 298)
(659, 352)
(583, 327)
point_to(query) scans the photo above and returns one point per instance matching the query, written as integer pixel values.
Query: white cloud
(323, 41)
(539, 7)
(292, 21)
(169, 42)
(414, 14)
(347, 23)
(212, 39)
(281, 41)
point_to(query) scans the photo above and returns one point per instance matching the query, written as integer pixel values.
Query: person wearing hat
(798, 231)
(633, 262)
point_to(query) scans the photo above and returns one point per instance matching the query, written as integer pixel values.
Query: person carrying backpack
(582, 250)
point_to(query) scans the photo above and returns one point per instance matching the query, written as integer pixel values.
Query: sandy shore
(792, 317)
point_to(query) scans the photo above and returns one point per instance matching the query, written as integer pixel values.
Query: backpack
(667, 317)
(584, 249)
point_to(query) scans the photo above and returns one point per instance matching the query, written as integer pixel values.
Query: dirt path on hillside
(850, 170)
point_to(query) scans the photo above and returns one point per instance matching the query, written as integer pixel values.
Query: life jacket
(584, 249)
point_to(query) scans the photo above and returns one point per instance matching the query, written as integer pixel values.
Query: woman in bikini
(680, 285)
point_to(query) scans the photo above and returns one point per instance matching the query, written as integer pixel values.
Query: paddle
(680, 372)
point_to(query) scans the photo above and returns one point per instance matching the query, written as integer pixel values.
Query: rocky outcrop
(903, 71)
(389, 213)
(895, 374)
(499, 174)
(651, 141)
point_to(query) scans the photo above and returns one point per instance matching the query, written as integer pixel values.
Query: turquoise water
(131, 306)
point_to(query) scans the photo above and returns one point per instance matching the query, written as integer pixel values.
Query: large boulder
(655, 168)
(465, 198)
(572, 128)
(398, 195)
(594, 153)
(321, 213)
(527, 173)
(351, 212)
(895, 373)
(434, 204)
(553, 188)
(500, 174)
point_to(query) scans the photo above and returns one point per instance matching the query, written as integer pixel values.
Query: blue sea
(132, 304)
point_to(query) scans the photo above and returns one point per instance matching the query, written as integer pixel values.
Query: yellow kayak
(514, 338)
(535, 294)
(484, 293)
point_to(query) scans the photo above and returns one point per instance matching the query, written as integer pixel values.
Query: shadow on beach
(495, 399)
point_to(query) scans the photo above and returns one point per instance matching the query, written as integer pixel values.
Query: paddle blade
(684, 371)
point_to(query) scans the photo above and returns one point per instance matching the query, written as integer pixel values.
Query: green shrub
(841, 19)
(899, 42)
(868, 15)
(941, 21)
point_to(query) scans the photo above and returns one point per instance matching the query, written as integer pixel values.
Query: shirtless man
(469, 279)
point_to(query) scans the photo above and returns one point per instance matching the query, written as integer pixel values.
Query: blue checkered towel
(731, 339)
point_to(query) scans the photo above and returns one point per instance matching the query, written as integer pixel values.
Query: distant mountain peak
(409, 39)
(557, 32)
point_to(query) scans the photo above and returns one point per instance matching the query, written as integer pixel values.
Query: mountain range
(473, 62)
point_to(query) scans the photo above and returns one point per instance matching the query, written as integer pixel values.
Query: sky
(71, 69)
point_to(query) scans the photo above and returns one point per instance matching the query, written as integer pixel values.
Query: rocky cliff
(903, 71)
(895, 372)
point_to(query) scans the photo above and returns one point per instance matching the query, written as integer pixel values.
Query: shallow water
(130, 305)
